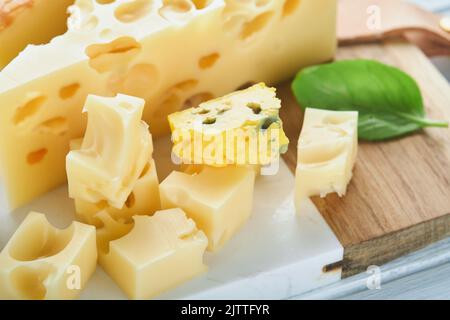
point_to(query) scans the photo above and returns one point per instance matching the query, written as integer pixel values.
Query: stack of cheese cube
(112, 177)
(225, 140)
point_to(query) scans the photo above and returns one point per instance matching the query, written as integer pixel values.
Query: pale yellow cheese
(159, 253)
(219, 200)
(143, 200)
(24, 22)
(171, 53)
(114, 153)
(241, 128)
(42, 262)
(327, 150)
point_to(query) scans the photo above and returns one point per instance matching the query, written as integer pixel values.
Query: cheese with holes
(115, 151)
(219, 200)
(327, 150)
(24, 22)
(241, 128)
(172, 53)
(42, 262)
(143, 200)
(159, 253)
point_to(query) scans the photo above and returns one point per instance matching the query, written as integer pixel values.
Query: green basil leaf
(388, 100)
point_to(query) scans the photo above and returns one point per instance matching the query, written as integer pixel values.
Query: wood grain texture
(399, 198)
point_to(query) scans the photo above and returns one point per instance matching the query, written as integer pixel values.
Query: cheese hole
(257, 24)
(335, 120)
(141, 79)
(56, 126)
(203, 111)
(28, 110)
(201, 4)
(106, 33)
(105, 1)
(131, 200)
(90, 24)
(321, 156)
(208, 61)
(171, 7)
(132, 11)
(197, 99)
(36, 156)
(29, 282)
(145, 170)
(69, 91)
(268, 122)
(41, 241)
(186, 85)
(109, 56)
(209, 120)
(85, 5)
(103, 204)
(290, 6)
(255, 107)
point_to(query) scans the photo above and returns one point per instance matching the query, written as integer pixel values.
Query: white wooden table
(424, 274)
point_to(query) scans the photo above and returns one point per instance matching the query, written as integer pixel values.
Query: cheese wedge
(219, 200)
(114, 153)
(159, 253)
(172, 53)
(327, 150)
(42, 262)
(24, 22)
(242, 128)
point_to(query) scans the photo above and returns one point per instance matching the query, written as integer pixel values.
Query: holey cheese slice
(43, 262)
(172, 53)
(115, 151)
(327, 150)
(24, 22)
(242, 128)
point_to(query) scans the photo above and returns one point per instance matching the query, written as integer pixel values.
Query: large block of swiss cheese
(172, 53)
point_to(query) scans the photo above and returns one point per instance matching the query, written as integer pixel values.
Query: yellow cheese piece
(42, 262)
(159, 253)
(143, 200)
(241, 128)
(219, 200)
(327, 150)
(114, 153)
(172, 53)
(112, 223)
(25, 22)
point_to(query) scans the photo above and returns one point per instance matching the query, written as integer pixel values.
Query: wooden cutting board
(399, 198)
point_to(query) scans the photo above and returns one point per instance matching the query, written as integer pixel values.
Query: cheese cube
(242, 128)
(159, 253)
(29, 21)
(42, 262)
(170, 53)
(219, 200)
(327, 150)
(143, 200)
(115, 150)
